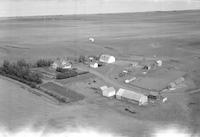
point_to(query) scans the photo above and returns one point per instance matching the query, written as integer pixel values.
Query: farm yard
(153, 63)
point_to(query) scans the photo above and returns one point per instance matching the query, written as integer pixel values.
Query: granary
(130, 80)
(108, 92)
(131, 96)
(107, 58)
(94, 65)
(91, 39)
(61, 63)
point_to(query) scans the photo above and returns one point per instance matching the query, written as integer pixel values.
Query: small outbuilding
(107, 58)
(91, 58)
(91, 39)
(94, 65)
(61, 63)
(131, 96)
(108, 92)
(159, 63)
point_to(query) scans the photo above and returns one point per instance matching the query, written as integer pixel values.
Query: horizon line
(49, 15)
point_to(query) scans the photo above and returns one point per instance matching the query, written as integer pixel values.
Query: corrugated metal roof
(109, 89)
(109, 92)
(105, 57)
(130, 94)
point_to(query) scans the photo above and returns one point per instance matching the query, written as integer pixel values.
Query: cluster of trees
(44, 63)
(67, 73)
(61, 70)
(20, 71)
(96, 57)
(84, 59)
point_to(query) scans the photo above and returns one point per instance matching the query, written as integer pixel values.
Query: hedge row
(67, 73)
(44, 63)
(31, 84)
(20, 71)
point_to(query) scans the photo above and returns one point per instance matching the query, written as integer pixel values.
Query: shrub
(22, 63)
(62, 100)
(66, 74)
(84, 72)
(44, 63)
(35, 77)
(96, 57)
(61, 70)
(82, 59)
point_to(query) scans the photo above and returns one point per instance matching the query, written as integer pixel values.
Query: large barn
(131, 96)
(107, 58)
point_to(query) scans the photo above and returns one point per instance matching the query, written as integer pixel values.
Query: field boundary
(34, 91)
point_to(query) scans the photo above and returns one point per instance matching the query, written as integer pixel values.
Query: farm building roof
(131, 95)
(107, 58)
(108, 92)
(61, 63)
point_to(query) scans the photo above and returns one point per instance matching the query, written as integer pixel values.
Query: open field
(28, 110)
(171, 36)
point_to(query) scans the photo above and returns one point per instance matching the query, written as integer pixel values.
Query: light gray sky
(54, 7)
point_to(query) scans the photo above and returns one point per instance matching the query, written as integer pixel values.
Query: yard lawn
(158, 80)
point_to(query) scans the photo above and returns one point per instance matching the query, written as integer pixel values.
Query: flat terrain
(172, 36)
(62, 91)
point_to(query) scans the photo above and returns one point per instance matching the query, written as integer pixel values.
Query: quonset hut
(107, 58)
(131, 96)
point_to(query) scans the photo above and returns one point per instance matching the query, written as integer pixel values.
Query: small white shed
(159, 62)
(107, 58)
(91, 39)
(108, 92)
(94, 65)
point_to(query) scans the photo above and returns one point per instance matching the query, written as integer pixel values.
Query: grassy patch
(61, 92)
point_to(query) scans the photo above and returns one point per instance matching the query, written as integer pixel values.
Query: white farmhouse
(107, 58)
(61, 63)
